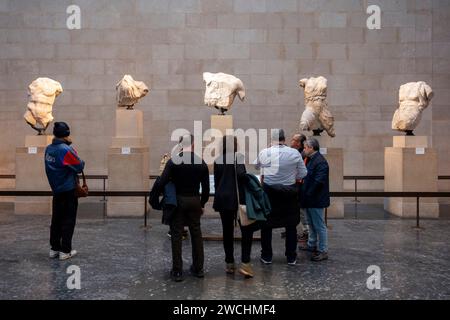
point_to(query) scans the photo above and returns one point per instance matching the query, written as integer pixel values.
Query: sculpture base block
(407, 170)
(119, 142)
(33, 206)
(222, 123)
(126, 207)
(129, 123)
(407, 207)
(38, 141)
(336, 208)
(127, 172)
(30, 176)
(410, 142)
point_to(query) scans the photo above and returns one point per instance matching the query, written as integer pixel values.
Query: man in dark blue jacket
(315, 197)
(62, 166)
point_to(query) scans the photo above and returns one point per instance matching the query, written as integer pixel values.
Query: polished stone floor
(118, 259)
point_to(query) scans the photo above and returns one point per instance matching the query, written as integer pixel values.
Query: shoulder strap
(236, 180)
(235, 177)
(84, 178)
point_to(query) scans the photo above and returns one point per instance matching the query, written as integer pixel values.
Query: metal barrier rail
(145, 194)
(356, 178)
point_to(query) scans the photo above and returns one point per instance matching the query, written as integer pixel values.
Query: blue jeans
(317, 228)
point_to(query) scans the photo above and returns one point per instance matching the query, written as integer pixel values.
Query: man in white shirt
(280, 164)
(281, 168)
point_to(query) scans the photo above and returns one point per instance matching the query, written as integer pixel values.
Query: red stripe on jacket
(70, 159)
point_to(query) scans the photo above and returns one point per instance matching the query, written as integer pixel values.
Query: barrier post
(417, 227)
(356, 190)
(145, 213)
(104, 198)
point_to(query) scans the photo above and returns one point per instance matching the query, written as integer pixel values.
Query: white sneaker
(53, 254)
(65, 256)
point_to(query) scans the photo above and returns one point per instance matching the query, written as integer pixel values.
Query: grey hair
(312, 143)
(278, 135)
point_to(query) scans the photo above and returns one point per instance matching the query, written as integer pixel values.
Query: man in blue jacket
(62, 166)
(315, 197)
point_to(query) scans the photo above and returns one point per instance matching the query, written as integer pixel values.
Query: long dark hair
(230, 141)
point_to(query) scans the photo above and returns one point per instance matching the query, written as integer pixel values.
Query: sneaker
(65, 256)
(230, 268)
(53, 254)
(292, 262)
(246, 270)
(320, 256)
(184, 235)
(264, 261)
(176, 276)
(198, 274)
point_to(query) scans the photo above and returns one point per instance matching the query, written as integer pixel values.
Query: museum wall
(268, 44)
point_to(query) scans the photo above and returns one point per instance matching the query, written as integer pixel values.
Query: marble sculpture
(221, 89)
(129, 91)
(414, 97)
(42, 93)
(316, 116)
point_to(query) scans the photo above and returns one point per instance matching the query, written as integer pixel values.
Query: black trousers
(290, 242)
(64, 216)
(188, 213)
(227, 218)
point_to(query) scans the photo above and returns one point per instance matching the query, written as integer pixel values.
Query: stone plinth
(411, 167)
(30, 176)
(410, 142)
(128, 164)
(129, 128)
(222, 123)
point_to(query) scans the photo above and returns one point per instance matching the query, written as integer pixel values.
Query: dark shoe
(184, 235)
(230, 268)
(292, 261)
(176, 276)
(305, 247)
(303, 238)
(320, 256)
(198, 274)
(265, 261)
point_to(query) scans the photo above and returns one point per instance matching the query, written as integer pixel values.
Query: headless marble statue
(129, 91)
(316, 116)
(414, 97)
(221, 89)
(42, 93)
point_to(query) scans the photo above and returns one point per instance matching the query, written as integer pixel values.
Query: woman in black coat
(226, 203)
